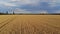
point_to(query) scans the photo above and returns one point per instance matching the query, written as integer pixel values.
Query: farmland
(29, 24)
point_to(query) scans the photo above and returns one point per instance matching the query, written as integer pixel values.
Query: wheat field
(29, 24)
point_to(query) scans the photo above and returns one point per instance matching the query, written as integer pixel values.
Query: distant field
(29, 24)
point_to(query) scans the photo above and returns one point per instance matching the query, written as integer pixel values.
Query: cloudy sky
(30, 6)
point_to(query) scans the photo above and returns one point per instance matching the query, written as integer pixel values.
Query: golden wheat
(29, 24)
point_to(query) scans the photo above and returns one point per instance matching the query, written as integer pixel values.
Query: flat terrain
(29, 24)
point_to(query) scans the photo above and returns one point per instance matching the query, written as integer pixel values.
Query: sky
(30, 6)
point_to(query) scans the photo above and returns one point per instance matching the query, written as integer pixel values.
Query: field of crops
(29, 24)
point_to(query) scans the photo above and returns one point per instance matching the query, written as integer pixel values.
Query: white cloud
(23, 2)
(13, 0)
(17, 10)
(57, 11)
(42, 11)
(7, 4)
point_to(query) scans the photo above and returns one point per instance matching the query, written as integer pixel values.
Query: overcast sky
(30, 6)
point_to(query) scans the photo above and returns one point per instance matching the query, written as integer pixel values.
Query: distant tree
(13, 12)
(6, 12)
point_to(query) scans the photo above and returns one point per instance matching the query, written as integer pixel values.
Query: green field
(29, 24)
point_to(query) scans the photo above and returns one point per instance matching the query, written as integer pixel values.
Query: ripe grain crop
(29, 24)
